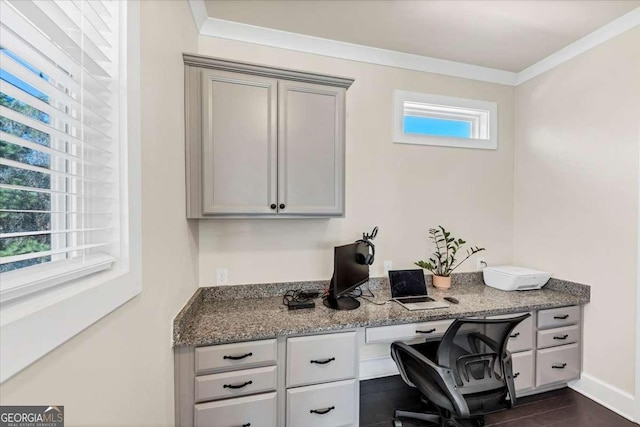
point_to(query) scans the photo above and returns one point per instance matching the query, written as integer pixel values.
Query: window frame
(37, 323)
(483, 137)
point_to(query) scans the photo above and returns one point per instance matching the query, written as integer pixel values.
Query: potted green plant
(443, 260)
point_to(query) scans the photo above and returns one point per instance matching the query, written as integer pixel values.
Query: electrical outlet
(388, 265)
(481, 263)
(222, 276)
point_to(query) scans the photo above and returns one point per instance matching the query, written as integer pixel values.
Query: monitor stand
(343, 302)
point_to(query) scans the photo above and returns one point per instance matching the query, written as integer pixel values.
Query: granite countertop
(215, 315)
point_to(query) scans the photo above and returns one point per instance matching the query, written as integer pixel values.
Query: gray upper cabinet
(239, 145)
(262, 141)
(310, 149)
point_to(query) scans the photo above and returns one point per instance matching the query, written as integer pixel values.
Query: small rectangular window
(438, 127)
(426, 119)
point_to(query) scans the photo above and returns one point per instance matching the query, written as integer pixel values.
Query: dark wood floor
(559, 408)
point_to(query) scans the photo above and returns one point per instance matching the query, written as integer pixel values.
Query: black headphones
(370, 256)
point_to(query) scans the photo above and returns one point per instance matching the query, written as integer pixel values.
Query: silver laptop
(409, 289)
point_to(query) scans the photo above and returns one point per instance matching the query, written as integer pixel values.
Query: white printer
(512, 278)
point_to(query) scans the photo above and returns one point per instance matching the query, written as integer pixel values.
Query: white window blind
(59, 147)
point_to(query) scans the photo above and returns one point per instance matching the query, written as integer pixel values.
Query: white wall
(119, 372)
(576, 192)
(404, 189)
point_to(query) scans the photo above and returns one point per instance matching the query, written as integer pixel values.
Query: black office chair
(464, 375)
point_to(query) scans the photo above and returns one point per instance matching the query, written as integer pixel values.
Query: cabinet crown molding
(265, 71)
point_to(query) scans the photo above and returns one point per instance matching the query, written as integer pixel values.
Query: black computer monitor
(348, 273)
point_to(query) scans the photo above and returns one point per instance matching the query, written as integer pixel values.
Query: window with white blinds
(60, 155)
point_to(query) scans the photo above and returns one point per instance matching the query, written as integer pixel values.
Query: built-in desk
(243, 359)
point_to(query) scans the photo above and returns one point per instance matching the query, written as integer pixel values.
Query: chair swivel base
(434, 418)
(443, 420)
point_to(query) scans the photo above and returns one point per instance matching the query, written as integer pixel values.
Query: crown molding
(264, 71)
(199, 12)
(221, 28)
(303, 43)
(599, 36)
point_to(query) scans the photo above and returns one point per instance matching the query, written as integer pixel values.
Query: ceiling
(506, 35)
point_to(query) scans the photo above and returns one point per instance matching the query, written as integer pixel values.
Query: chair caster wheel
(396, 422)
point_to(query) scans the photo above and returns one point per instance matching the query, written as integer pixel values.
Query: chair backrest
(476, 352)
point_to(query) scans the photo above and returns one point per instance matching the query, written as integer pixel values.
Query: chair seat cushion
(481, 403)
(429, 390)
(428, 349)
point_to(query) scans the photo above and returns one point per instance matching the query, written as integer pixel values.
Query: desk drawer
(558, 336)
(321, 358)
(406, 332)
(236, 383)
(557, 364)
(523, 370)
(227, 357)
(256, 411)
(323, 405)
(556, 317)
(521, 338)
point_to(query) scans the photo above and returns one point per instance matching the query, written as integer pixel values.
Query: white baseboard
(611, 397)
(377, 367)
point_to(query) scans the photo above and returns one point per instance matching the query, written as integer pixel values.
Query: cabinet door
(310, 149)
(321, 358)
(332, 404)
(238, 144)
(256, 411)
(557, 364)
(523, 370)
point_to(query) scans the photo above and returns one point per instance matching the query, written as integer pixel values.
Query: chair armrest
(441, 375)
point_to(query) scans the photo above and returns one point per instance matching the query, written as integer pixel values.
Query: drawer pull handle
(516, 375)
(238, 357)
(322, 411)
(428, 331)
(561, 337)
(516, 335)
(323, 362)
(561, 366)
(563, 317)
(246, 425)
(235, 386)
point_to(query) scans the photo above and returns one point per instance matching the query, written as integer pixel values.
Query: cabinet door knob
(273, 206)
(282, 206)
